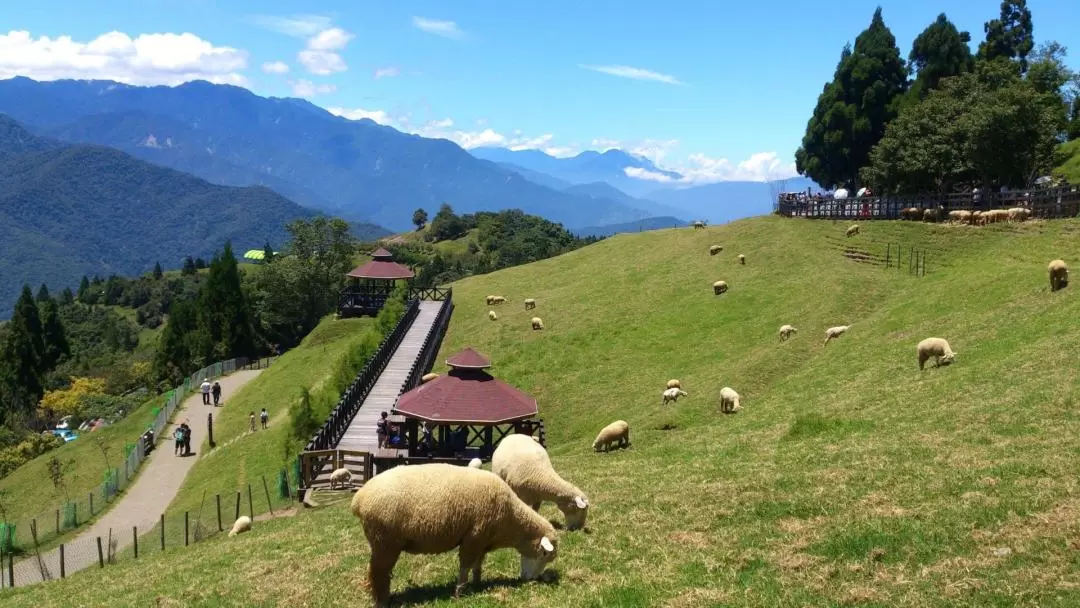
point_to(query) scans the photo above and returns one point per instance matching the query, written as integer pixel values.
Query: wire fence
(216, 515)
(24, 537)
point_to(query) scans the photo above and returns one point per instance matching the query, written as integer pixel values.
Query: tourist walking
(264, 418)
(205, 386)
(216, 391)
(381, 429)
(185, 434)
(251, 418)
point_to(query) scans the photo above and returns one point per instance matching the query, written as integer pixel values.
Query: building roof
(468, 359)
(382, 267)
(382, 254)
(467, 395)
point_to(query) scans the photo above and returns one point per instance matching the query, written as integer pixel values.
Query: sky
(715, 90)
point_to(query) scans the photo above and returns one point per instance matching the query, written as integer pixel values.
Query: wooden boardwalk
(361, 434)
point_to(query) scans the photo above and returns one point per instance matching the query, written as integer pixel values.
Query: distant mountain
(536, 177)
(722, 202)
(588, 167)
(603, 190)
(651, 223)
(357, 169)
(69, 210)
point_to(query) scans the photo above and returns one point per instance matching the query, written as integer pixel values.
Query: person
(251, 418)
(185, 439)
(205, 386)
(380, 429)
(216, 391)
(178, 436)
(264, 418)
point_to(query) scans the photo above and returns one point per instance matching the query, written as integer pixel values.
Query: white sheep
(729, 400)
(537, 323)
(340, 477)
(719, 287)
(428, 377)
(673, 394)
(835, 332)
(476, 463)
(786, 331)
(742, 259)
(715, 249)
(1059, 274)
(937, 348)
(673, 383)
(699, 224)
(618, 431)
(492, 300)
(242, 524)
(435, 508)
(852, 230)
(530, 303)
(526, 467)
(492, 315)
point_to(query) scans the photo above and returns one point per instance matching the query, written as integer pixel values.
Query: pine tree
(223, 308)
(268, 253)
(84, 289)
(189, 266)
(1010, 36)
(43, 294)
(940, 51)
(174, 356)
(200, 264)
(66, 297)
(157, 271)
(22, 354)
(54, 339)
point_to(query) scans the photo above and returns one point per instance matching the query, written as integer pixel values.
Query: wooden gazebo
(369, 285)
(465, 413)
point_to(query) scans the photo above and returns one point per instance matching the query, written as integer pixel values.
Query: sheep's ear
(581, 502)
(546, 545)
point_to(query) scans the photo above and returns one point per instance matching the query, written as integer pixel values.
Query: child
(251, 418)
(264, 418)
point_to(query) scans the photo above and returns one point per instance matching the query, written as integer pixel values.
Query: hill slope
(848, 478)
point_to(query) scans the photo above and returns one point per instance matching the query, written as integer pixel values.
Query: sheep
(498, 300)
(1018, 214)
(530, 303)
(699, 224)
(719, 287)
(525, 466)
(911, 213)
(490, 300)
(729, 400)
(937, 348)
(1059, 275)
(340, 477)
(742, 259)
(618, 431)
(852, 230)
(674, 383)
(476, 463)
(673, 394)
(492, 315)
(428, 377)
(436, 507)
(835, 332)
(242, 524)
(537, 323)
(786, 331)
(715, 249)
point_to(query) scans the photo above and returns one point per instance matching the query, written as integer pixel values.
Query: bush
(30, 448)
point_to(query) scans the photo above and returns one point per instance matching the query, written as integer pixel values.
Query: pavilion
(371, 284)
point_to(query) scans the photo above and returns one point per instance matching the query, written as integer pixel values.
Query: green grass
(848, 478)
(458, 246)
(1070, 168)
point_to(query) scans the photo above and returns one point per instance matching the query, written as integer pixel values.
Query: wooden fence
(1043, 203)
(426, 360)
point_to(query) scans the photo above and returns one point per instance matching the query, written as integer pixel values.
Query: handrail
(430, 293)
(424, 362)
(353, 397)
(1047, 203)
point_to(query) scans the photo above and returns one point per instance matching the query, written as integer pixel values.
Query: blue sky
(720, 89)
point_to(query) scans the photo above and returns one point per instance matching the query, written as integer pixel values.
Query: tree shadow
(428, 593)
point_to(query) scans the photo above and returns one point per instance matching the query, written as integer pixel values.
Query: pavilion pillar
(489, 440)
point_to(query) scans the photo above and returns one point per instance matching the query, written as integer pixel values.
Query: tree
(189, 266)
(1072, 132)
(419, 218)
(157, 271)
(84, 289)
(42, 294)
(66, 297)
(53, 336)
(1010, 36)
(938, 52)
(200, 263)
(446, 225)
(68, 401)
(853, 109)
(223, 311)
(179, 342)
(268, 253)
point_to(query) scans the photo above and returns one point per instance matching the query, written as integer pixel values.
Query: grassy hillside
(848, 478)
(1070, 168)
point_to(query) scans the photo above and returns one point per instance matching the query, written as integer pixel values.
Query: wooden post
(63, 571)
(237, 506)
(267, 490)
(210, 428)
(162, 531)
(217, 497)
(185, 528)
(100, 554)
(11, 568)
(75, 512)
(135, 539)
(251, 507)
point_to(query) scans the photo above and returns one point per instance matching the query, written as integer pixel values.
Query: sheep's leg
(382, 564)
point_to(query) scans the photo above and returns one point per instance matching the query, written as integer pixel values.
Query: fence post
(210, 428)
(162, 531)
(267, 490)
(135, 539)
(11, 568)
(251, 508)
(63, 571)
(217, 498)
(75, 513)
(100, 554)
(185, 528)
(237, 506)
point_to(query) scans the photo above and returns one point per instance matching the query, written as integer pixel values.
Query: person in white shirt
(205, 386)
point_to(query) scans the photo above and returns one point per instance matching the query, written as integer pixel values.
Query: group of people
(182, 435)
(210, 389)
(264, 417)
(391, 434)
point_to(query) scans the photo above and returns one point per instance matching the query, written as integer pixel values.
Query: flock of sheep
(530, 303)
(976, 218)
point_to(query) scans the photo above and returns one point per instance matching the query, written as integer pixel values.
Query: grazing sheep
(852, 230)
(434, 508)
(835, 332)
(490, 300)
(476, 463)
(715, 249)
(498, 300)
(616, 431)
(911, 213)
(242, 524)
(674, 383)
(492, 315)
(1059, 275)
(1019, 214)
(719, 287)
(340, 477)
(673, 394)
(742, 259)
(729, 400)
(786, 331)
(530, 304)
(699, 224)
(428, 377)
(537, 323)
(525, 466)
(933, 215)
(937, 348)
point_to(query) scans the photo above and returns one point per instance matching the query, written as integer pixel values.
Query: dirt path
(158, 482)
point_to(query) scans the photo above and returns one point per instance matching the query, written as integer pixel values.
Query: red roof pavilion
(467, 395)
(382, 266)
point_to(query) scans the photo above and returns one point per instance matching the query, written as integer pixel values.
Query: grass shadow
(424, 594)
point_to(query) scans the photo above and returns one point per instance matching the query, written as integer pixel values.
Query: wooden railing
(1043, 203)
(316, 466)
(430, 293)
(426, 360)
(353, 397)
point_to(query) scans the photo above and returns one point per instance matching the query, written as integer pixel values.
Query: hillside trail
(156, 486)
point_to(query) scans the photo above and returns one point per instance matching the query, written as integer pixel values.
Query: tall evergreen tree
(189, 266)
(223, 309)
(84, 289)
(21, 355)
(54, 339)
(157, 271)
(174, 356)
(853, 109)
(268, 253)
(42, 294)
(940, 51)
(66, 297)
(1010, 36)
(200, 264)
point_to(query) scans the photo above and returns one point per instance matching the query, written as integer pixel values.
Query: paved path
(157, 484)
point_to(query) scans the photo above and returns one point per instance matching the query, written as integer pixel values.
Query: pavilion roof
(382, 267)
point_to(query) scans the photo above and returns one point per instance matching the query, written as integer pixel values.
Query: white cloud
(700, 169)
(379, 116)
(625, 71)
(306, 88)
(321, 57)
(332, 39)
(388, 72)
(300, 26)
(446, 29)
(645, 174)
(275, 67)
(148, 59)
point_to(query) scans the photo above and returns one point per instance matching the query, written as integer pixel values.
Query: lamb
(852, 230)
(742, 259)
(835, 332)
(242, 524)
(428, 377)
(340, 477)
(537, 323)
(530, 304)
(719, 287)
(673, 394)
(490, 300)
(699, 224)
(1059, 275)
(434, 508)
(492, 315)
(715, 249)
(937, 348)
(729, 400)
(525, 466)
(786, 331)
(618, 431)
(674, 383)
(476, 463)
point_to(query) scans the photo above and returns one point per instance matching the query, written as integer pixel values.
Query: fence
(1044, 203)
(214, 516)
(914, 261)
(20, 537)
(432, 341)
